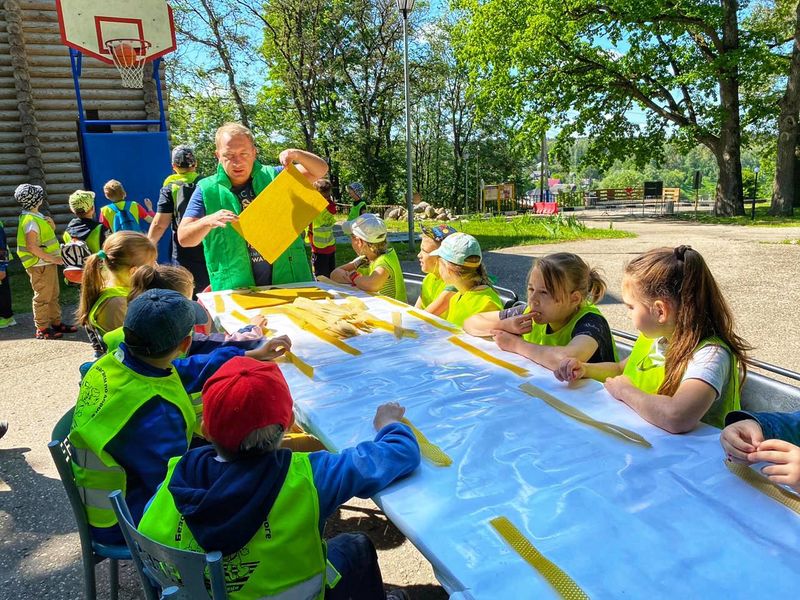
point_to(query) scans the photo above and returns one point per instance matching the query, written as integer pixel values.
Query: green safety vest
(465, 304)
(92, 240)
(538, 333)
(647, 373)
(115, 337)
(286, 557)
(355, 210)
(175, 182)
(110, 395)
(112, 292)
(323, 229)
(432, 286)
(227, 257)
(47, 240)
(394, 286)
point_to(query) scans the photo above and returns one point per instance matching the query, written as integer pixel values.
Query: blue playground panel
(138, 159)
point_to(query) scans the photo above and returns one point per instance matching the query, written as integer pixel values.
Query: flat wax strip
(239, 316)
(397, 321)
(386, 326)
(562, 583)
(765, 486)
(571, 411)
(303, 366)
(392, 301)
(434, 322)
(302, 323)
(219, 304)
(280, 213)
(488, 357)
(430, 451)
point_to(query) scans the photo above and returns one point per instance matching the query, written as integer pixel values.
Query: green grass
(22, 294)
(763, 218)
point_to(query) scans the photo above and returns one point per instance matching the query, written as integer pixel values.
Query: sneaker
(48, 334)
(397, 594)
(9, 322)
(63, 328)
(3, 428)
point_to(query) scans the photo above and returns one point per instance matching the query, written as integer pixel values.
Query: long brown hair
(474, 276)
(163, 277)
(121, 250)
(681, 276)
(565, 272)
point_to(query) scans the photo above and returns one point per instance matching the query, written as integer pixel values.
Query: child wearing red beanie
(248, 497)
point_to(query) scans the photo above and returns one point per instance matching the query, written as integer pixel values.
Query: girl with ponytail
(685, 366)
(106, 283)
(560, 319)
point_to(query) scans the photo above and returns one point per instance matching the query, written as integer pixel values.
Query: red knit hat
(242, 396)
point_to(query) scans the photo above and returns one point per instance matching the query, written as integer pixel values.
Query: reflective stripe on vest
(227, 256)
(432, 286)
(394, 286)
(323, 230)
(110, 395)
(463, 305)
(645, 368)
(47, 240)
(285, 558)
(108, 293)
(539, 335)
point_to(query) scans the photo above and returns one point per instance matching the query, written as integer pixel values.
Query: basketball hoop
(129, 56)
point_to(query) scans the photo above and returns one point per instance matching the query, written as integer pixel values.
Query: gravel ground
(39, 553)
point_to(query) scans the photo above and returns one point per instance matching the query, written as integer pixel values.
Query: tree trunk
(783, 192)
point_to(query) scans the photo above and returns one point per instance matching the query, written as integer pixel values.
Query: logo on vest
(93, 394)
(237, 570)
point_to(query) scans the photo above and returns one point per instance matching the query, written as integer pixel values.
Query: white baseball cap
(367, 227)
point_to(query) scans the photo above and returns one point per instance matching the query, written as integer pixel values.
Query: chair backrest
(62, 452)
(413, 283)
(180, 574)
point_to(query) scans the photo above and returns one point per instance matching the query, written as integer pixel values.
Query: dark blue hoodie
(224, 503)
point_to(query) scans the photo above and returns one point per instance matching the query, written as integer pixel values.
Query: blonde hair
(121, 250)
(257, 442)
(163, 277)
(565, 272)
(471, 275)
(233, 129)
(681, 276)
(114, 191)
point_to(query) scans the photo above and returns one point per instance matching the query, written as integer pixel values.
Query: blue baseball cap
(356, 188)
(158, 320)
(460, 249)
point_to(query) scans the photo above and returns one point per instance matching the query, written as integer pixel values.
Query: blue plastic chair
(181, 575)
(91, 552)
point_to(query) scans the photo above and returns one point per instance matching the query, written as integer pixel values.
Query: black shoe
(3, 428)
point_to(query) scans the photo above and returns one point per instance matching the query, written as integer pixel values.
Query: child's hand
(617, 386)
(504, 340)
(259, 321)
(741, 439)
(340, 276)
(388, 413)
(272, 349)
(519, 325)
(2, 275)
(148, 204)
(785, 459)
(569, 370)
(56, 260)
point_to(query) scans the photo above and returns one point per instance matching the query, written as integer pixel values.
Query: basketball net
(129, 56)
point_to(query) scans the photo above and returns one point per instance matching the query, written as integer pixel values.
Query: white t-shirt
(33, 226)
(710, 364)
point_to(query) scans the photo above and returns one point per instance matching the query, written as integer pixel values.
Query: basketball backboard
(86, 25)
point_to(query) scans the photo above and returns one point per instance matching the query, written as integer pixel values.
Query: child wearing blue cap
(461, 265)
(434, 294)
(134, 413)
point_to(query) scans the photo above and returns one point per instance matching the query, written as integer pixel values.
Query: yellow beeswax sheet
(280, 213)
(277, 297)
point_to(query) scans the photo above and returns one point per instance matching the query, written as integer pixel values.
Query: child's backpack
(74, 253)
(123, 218)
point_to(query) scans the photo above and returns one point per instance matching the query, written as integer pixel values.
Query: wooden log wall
(38, 108)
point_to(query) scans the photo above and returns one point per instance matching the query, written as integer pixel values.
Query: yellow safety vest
(539, 335)
(463, 305)
(323, 229)
(286, 557)
(110, 395)
(432, 286)
(47, 240)
(647, 371)
(394, 286)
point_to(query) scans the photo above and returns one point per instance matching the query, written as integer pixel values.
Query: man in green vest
(219, 199)
(264, 507)
(172, 202)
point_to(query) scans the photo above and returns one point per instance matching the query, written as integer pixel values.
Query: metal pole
(755, 193)
(409, 193)
(541, 168)
(466, 183)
